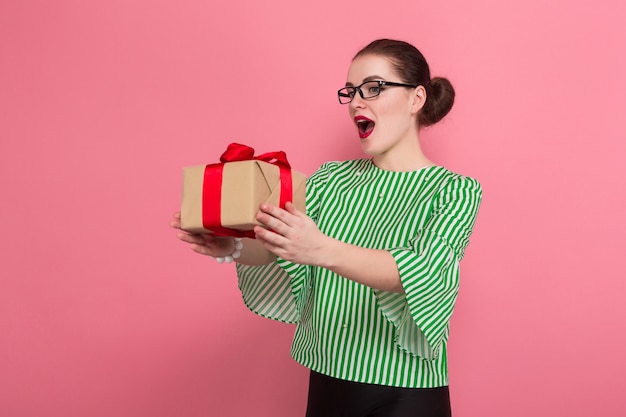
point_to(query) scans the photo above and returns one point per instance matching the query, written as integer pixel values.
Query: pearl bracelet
(236, 253)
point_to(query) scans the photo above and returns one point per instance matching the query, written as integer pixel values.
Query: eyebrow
(366, 79)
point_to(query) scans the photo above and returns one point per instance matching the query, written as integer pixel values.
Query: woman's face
(387, 122)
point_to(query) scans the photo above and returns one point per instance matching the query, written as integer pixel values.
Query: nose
(358, 102)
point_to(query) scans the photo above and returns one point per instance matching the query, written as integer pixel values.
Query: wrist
(330, 253)
(236, 253)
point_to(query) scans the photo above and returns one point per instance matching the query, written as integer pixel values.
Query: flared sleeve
(266, 291)
(280, 289)
(429, 270)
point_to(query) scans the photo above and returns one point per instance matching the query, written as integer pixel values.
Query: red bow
(212, 186)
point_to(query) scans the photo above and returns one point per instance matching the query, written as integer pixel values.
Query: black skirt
(332, 397)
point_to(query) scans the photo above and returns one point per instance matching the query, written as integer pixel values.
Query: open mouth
(365, 126)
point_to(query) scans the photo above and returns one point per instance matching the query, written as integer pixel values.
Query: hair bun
(439, 101)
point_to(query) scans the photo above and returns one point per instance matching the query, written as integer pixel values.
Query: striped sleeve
(266, 291)
(279, 290)
(429, 270)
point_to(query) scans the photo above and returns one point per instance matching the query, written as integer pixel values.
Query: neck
(404, 157)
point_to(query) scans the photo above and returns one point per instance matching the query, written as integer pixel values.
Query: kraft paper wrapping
(245, 185)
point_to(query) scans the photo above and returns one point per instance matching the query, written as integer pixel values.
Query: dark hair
(413, 69)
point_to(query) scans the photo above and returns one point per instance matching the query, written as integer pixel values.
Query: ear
(418, 99)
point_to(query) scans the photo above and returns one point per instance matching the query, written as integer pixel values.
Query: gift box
(224, 198)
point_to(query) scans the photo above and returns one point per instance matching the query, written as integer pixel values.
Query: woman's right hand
(205, 244)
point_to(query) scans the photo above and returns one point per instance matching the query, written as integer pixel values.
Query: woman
(370, 273)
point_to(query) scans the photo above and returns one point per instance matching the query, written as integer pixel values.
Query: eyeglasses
(368, 89)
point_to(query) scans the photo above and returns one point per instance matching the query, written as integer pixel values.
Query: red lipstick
(365, 126)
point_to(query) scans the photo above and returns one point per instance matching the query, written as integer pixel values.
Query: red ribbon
(212, 186)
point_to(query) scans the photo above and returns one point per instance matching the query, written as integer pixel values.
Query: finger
(276, 250)
(202, 249)
(175, 222)
(192, 238)
(292, 209)
(272, 223)
(277, 213)
(269, 237)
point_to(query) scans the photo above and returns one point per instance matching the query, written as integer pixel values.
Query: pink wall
(104, 313)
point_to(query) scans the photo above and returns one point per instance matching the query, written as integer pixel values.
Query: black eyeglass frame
(381, 83)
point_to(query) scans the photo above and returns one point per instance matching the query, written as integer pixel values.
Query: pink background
(103, 312)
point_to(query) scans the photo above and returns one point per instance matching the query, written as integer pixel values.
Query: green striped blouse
(346, 330)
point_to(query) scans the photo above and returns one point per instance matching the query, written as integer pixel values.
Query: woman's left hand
(290, 234)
